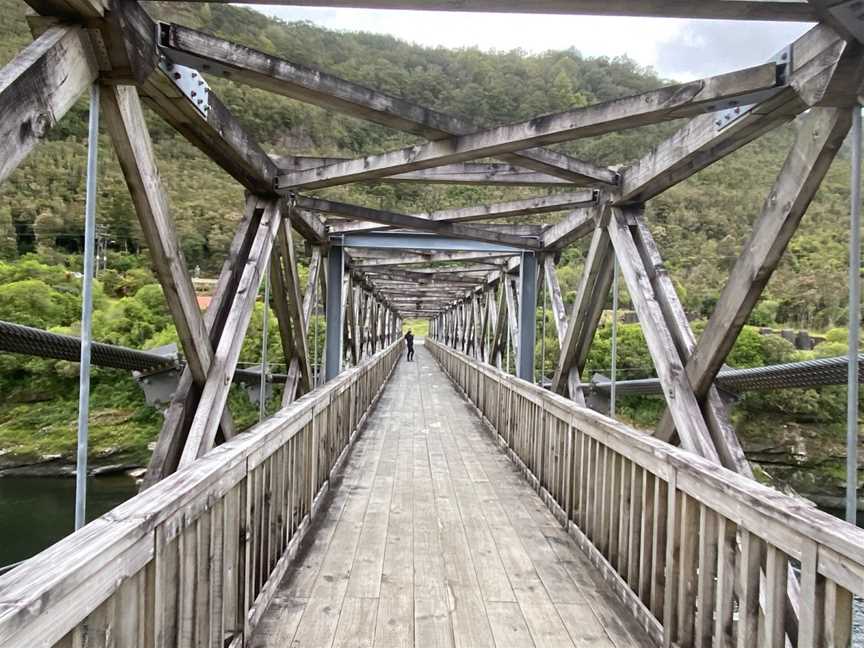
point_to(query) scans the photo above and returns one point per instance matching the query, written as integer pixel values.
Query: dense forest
(699, 225)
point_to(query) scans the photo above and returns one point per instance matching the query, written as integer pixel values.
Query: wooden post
(38, 87)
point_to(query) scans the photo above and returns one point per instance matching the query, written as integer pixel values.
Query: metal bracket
(159, 385)
(596, 399)
(737, 108)
(189, 81)
(253, 387)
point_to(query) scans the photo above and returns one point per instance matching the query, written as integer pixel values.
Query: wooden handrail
(195, 559)
(698, 553)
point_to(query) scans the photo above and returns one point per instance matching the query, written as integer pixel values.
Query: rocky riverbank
(110, 461)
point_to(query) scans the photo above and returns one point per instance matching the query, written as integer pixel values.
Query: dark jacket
(409, 340)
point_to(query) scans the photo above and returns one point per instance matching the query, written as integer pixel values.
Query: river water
(36, 512)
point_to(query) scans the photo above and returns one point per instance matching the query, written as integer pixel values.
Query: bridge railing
(698, 553)
(194, 560)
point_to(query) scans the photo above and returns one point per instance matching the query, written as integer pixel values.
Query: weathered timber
(179, 415)
(122, 579)
(656, 106)
(38, 87)
(309, 298)
(559, 312)
(125, 122)
(214, 394)
(294, 301)
(526, 207)
(412, 259)
(791, 10)
(310, 85)
(470, 173)
(454, 230)
(682, 403)
(573, 227)
(69, 9)
(714, 410)
(586, 312)
(820, 134)
(341, 226)
(680, 506)
(703, 141)
(131, 39)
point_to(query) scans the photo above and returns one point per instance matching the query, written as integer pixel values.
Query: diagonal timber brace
(673, 102)
(202, 432)
(682, 403)
(179, 415)
(820, 135)
(585, 314)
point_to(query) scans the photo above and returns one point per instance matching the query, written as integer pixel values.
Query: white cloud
(679, 49)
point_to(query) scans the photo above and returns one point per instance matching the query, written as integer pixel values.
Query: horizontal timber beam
(525, 207)
(340, 226)
(782, 10)
(454, 230)
(415, 241)
(265, 71)
(409, 259)
(468, 173)
(672, 102)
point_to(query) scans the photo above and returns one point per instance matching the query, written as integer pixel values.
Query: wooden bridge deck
(433, 538)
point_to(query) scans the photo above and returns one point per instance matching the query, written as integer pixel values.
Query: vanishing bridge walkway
(419, 522)
(538, 520)
(433, 538)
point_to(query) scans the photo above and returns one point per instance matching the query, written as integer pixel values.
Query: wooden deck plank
(431, 536)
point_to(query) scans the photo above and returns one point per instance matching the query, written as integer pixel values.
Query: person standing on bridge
(409, 342)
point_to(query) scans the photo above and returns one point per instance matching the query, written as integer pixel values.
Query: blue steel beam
(527, 310)
(335, 276)
(406, 241)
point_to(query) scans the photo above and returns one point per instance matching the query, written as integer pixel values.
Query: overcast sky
(677, 49)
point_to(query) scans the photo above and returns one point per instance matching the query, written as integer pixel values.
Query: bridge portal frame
(815, 82)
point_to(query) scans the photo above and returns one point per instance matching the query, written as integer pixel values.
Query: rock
(109, 469)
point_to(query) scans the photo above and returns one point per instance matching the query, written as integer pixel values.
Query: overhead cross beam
(777, 10)
(672, 102)
(455, 230)
(279, 76)
(467, 173)
(810, 63)
(511, 209)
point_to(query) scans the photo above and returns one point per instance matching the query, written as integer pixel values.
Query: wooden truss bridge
(510, 515)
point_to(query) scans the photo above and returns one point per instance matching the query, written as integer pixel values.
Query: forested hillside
(699, 225)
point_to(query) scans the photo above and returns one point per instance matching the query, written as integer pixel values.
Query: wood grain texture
(38, 87)
(436, 540)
